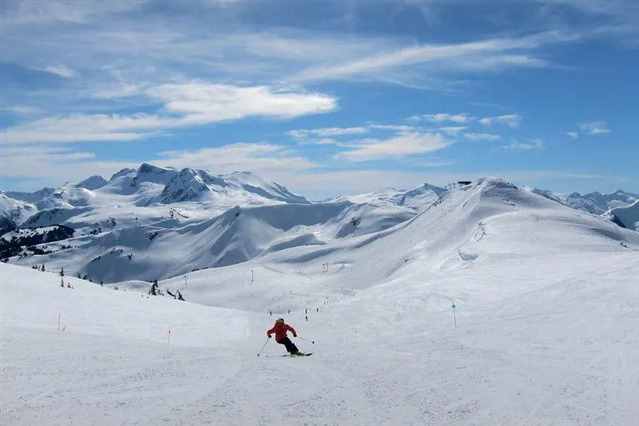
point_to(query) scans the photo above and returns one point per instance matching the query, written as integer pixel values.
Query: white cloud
(326, 132)
(58, 164)
(573, 135)
(259, 158)
(452, 130)
(402, 145)
(444, 117)
(21, 109)
(530, 145)
(93, 128)
(55, 164)
(401, 128)
(60, 70)
(510, 120)
(187, 104)
(491, 54)
(594, 128)
(36, 11)
(119, 90)
(489, 137)
(207, 103)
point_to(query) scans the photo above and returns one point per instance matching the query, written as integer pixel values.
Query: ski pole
(263, 346)
(312, 341)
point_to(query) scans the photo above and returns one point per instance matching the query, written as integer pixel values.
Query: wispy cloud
(452, 130)
(207, 103)
(485, 55)
(510, 120)
(325, 132)
(55, 164)
(60, 70)
(81, 128)
(330, 135)
(261, 158)
(24, 110)
(443, 118)
(594, 128)
(34, 11)
(398, 146)
(488, 137)
(184, 105)
(590, 128)
(573, 135)
(529, 145)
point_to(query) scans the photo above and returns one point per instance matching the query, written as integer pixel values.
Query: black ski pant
(290, 346)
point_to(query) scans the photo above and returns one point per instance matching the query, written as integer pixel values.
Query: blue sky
(325, 97)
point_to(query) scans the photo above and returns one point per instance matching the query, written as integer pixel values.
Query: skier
(280, 329)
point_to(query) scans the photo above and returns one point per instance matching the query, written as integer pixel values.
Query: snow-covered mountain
(240, 188)
(598, 203)
(593, 202)
(628, 217)
(417, 199)
(155, 223)
(495, 305)
(145, 223)
(93, 182)
(150, 194)
(31, 197)
(13, 212)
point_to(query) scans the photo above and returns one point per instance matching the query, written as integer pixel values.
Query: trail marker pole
(454, 316)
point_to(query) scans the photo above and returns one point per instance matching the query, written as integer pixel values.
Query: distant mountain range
(154, 222)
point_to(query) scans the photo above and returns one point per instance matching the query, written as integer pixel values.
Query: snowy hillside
(541, 332)
(417, 199)
(149, 194)
(154, 223)
(13, 212)
(93, 183)
(162, 250)
(628, 217)
(490, 221)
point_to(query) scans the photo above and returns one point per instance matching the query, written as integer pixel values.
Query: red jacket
(280, 330)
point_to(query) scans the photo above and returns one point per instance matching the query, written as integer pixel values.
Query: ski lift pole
(263, 346)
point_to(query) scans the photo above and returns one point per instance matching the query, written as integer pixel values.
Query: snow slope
(628, 217)
(13, 212)
(238, 235)
(417, 199)
(93, 182)
(546, 307)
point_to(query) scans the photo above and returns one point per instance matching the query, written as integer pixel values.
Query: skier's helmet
(280, 320)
